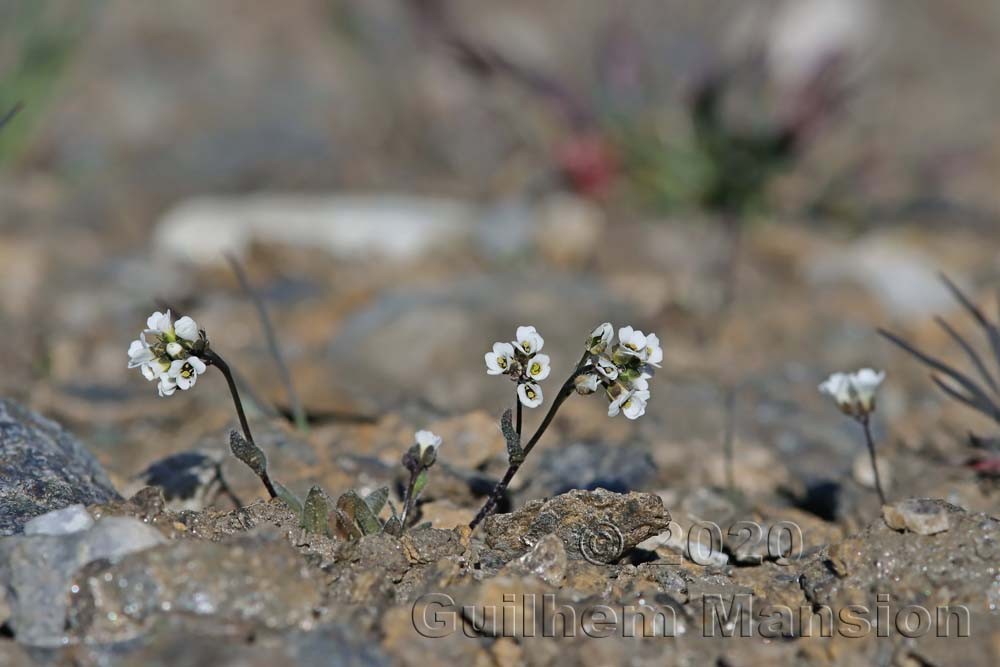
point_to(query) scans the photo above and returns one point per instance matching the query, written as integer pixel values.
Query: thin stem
(298, 412)
(408, 500)
(871, 452)
(215, 360)
(520, 409)
(501, 486)
(728, 439)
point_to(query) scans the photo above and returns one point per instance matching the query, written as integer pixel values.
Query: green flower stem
(565, 392)
(214, 359)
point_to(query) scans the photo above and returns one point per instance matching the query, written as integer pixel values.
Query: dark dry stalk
(10, 114)
(733, 224)
(865, 424)
(408, 499)
(298, 412)
(501, 487)
(214, 359)
(728, 438)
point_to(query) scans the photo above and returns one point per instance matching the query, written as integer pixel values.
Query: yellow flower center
(530, 393)
(536, 368)
(502, 362)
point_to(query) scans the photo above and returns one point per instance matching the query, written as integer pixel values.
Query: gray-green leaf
(249, 453)
(290, 498)
(315, 512)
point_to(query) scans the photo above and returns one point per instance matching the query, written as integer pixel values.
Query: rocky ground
(396, 215)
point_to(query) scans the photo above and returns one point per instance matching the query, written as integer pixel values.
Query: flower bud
(599, 338)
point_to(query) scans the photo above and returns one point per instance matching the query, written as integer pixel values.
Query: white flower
(174, 349)
(155, 369)
(631, 402)
(616, 403)
(427, 440)
(866, 382)
(633, 342)
(538, 367)
(600, 338)
(635, 406)
(587, 383)
(530, 394)
(187, 329)
(641, 383)
(167, 385)
(159, 323)
(854, 392)
(139, 353)
(607, 368)
(498, 361)
(185, 372)
(528, 340)
(654, 354)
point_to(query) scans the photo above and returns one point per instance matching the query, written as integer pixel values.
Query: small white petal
(186, 328)
(654, 354)
(607, 368)
(139, 353)
(635, 406)
(528, 340)
(427, 440)
(167, 386)
(198, 365)
(498, 361)
(159, 322)
(538, 367)
(530, 394)
(174, 349)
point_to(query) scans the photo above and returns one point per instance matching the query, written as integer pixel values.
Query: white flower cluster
(854, 392)
(164, 353)
(624, 370)
(520, 359)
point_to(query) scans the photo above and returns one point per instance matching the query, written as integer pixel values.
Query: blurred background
(760, 183)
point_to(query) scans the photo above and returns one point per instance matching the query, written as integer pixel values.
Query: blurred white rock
(903, 278)
(202, 229)
(65, 521)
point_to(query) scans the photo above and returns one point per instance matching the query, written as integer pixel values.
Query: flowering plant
(854, 394)
(623, 370)
(175, 354)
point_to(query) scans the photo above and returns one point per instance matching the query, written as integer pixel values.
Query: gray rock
(36, 572)
(924, 516)
(399, 227)
(598, 526)
(374, 353)
(590, 466)
(904, 279)
(65, 521)
(547, 560)
(43, 468)
(256, 582)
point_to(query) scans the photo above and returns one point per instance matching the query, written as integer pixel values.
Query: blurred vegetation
(37, 39)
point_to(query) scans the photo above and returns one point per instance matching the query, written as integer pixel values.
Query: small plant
(176, 354)
(622, 370)
(984, 396)
(855, 396)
